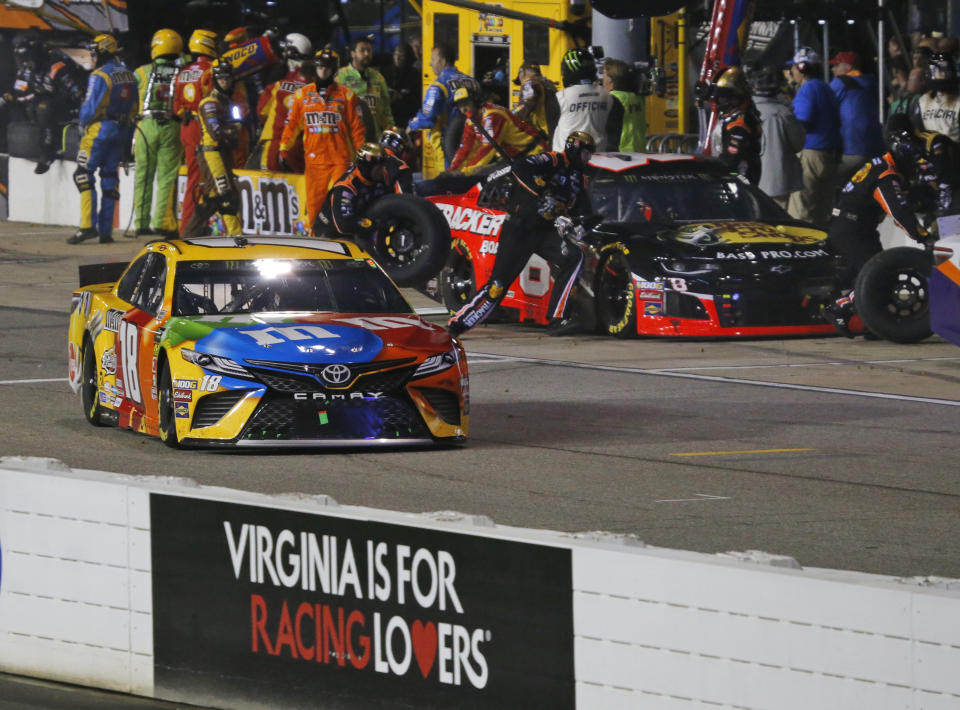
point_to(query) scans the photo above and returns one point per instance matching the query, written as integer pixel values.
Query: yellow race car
(262, 342)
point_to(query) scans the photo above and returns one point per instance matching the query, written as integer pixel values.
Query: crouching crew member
(106, 121)
(215, 157)
(546, 186)
(395, 146)
(343, 215)
(878, 188)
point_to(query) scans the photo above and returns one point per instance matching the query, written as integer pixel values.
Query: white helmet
(296, 48)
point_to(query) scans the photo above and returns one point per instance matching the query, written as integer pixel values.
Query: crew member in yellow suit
(214, 157)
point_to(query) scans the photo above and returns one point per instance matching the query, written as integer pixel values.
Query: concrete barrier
(164, 588)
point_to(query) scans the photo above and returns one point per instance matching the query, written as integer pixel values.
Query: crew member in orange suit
(193, 84)
(275, 101)
(328, 116)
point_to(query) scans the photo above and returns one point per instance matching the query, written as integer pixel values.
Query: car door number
(130, 348)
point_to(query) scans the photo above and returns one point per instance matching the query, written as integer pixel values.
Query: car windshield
(261, 285)
(679, 196)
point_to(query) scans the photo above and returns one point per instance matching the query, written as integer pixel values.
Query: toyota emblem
(335, 374)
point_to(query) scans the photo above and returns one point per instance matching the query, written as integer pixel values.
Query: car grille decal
(380, 375)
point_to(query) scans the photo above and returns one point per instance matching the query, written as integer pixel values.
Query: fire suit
(435, 113)
(219, 191)
(332, 129)
(272, 108)
(106, 120)
(546, 186)
(938, 171)
(344, 209)
(737, 141)
(193, 84)
(156, 147)
(876, 189)
(514, 136)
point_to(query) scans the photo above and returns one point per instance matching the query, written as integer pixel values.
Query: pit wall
(163, 588)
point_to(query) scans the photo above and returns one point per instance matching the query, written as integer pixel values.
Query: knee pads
(110, 185)
(82, 179)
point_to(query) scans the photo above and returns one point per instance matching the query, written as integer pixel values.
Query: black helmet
(393, 141)
(369, 156)
(578, 67)
(764, 81)
(905, 146)
(222, 70)
(579, 148)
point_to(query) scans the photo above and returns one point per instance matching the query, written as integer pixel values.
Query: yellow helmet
(327, 57)
(104, 44)
(203, 42)
(165, 42)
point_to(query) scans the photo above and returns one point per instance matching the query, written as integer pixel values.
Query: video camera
(650, 78)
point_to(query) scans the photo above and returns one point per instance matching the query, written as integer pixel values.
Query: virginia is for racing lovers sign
(258, 605)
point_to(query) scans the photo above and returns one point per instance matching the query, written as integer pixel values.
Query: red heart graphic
(424, 645)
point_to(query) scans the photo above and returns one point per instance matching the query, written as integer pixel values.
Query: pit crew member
(879, 187)
(488, 122)
(106, 123)
(218, 140)
(343, 215)
(328, 117)
(274, 103)
(368, 84)
(737, 136)
(395, 146)
(546, 186)
(194, 83)
(156, 148)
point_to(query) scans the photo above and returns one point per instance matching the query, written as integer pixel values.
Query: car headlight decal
(437, 363)
(215, 363)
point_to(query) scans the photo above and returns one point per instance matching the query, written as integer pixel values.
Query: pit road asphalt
(839, 453)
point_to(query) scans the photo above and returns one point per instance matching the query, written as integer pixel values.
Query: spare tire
(892, 294)
(413, 239)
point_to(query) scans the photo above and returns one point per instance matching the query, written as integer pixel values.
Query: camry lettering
(324, 397)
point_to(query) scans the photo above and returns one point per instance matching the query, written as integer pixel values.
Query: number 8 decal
(130, 345)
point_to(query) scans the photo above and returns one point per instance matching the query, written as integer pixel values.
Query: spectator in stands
(938, 110)
(859, 114)
(922, 51)
(538, 99)
(910, 94)
(404, 83)
(899, 73)
(627, 123)
(782, 140)
(816, 107)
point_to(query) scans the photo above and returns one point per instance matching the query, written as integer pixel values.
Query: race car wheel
(168, 422)
(457, 279)
(89, 391)
(412, 240)
(892, 295)
(616, 304)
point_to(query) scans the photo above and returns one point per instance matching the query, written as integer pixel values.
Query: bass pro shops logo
(359, 574)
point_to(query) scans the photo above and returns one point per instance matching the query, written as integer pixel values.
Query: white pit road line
(727, 380)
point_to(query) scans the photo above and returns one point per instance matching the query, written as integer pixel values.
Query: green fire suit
(157, 148)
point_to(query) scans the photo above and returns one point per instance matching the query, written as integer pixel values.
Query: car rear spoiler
(109, 272)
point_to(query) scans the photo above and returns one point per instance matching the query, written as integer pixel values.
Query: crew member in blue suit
(438, 108)
(106, 122)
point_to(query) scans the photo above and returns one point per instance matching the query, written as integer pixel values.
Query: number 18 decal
(130, 345)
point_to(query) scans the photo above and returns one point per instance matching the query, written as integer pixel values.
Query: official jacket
(583, 107)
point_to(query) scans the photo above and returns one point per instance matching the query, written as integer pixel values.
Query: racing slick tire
(892, 295)
(413, 239)
(89, 391)
(615, 300)
(457, 280)
(165, 405)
